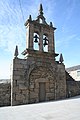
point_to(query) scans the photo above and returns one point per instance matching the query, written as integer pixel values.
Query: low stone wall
(5, 94)
(73, 87)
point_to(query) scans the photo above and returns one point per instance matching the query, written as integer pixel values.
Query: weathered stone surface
(38, 77)
(5, 94)
(22, 87)
(37, 68)
(73, 87)
(20, 97)
(33, 95)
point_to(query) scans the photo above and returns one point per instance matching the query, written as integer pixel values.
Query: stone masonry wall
(73, 87)
(26, 79)
(28, 73)
(5, 94)
(19, 85)
(60, 82)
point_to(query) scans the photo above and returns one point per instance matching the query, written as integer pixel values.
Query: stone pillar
(41, 40)
(19, 85)
(51, 42)
(60, 82)
(29, 36)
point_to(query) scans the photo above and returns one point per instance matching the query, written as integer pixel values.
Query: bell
(45, 43)
(36, 37)
(35, 40)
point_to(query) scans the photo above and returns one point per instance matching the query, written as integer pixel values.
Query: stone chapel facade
(38, 77)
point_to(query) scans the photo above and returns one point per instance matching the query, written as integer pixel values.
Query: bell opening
(36, 41)
(45, 43)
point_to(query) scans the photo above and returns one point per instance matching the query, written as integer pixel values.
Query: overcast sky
(65, 15)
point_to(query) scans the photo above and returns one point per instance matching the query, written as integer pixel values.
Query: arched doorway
(41, 85)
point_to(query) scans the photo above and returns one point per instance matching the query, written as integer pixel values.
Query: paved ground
(59, 110)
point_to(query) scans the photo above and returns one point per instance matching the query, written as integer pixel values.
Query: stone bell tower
(40, 34)
(38, 77)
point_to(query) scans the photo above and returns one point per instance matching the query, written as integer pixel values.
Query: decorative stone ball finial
(16, 52)
(61, 58)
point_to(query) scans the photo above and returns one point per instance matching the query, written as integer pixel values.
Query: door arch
(41, 78)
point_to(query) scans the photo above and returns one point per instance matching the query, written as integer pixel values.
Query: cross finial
(16, 52)
(41, 10)
(61, 58)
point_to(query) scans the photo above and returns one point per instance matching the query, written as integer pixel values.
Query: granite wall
(5, 94)
(73, 87)
(28, 73)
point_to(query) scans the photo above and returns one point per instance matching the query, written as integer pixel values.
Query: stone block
(47, 85)
(47, 90)
(18, 66)
(19, 72)
(25, 91)
(20, 97)
(51, 86)
(16, 77)
(15, 89)
(21, 86)
(36, 91)
(37, 85)
(31, 89)
(20, 82)
(32, 86)
(33, 95)
(52, 90)
(49, 94)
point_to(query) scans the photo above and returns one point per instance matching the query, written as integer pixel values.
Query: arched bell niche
(45, 43)
(36, 41)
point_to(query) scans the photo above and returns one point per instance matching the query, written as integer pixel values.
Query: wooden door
(42, 92)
